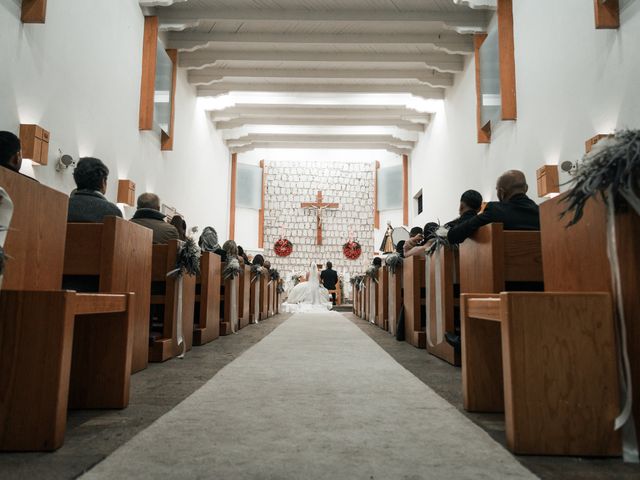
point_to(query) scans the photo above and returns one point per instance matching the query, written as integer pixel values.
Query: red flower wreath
(283, 247)
(352, 250)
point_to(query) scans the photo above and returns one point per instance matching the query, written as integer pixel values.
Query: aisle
(315, 399)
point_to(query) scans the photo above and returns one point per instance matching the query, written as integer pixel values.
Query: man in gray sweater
(87, 204)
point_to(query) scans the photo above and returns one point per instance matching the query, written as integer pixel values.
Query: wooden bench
(382, 298)
(165, 293)
(113, 257)
(255, 298)
(244, 296)
(271, 298)
(550, 360)
(395, 299)
(413, 269)
(264, 295)
(449, 304)
(58, 348)
(493, 260)
(206, 327)
(229, 304)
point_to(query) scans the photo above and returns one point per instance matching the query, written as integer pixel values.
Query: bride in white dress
(308, 296)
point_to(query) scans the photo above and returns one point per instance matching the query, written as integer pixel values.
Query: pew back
(36, 240)
(491, 257)
(413, 270)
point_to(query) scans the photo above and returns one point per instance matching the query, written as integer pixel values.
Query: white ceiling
(363, 60)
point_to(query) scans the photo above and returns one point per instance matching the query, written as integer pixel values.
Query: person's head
(208, 241)
(178, 222)
(329, 265)
(267, 264)
(510, 183)
(415, 231)
(430, 229)
(241, 253)
(377, 262)
(149, 200)
(400, 248)
(230, 248)
(470, 200)
(91, 174)
(258, 260)
(10, 154)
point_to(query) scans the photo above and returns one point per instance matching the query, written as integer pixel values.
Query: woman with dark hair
(87, 203)
(178, 222)
(258, 260)
(377, 262)
(243, 255)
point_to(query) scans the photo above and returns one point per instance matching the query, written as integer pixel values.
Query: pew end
(382, 297)
(244, 297)
(207, 300)
(111, 257)
(413, 269)
(548, 360)
(165, 293)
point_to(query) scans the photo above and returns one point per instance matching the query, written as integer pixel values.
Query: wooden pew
(382, 297)
(58, 348)
(492, 259)
(271, 298)
(552, 364)
(449, 304)
(395, 299)
(413, 269)
(113, 257)
(229, 306)
(254, 302)
(164, 302)
(356, 300)
(264, 296)
(244, 296)
(206, 326)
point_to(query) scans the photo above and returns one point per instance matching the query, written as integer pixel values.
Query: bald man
(514, 209)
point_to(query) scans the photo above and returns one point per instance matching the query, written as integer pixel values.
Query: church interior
(320, 239)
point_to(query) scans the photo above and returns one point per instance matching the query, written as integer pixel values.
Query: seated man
(329, 280)
(87, 204)
(514, 209)
(418, 244)
(148, 215)
(470, 205)
(10, 151)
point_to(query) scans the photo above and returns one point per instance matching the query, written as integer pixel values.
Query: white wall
(78, 76)
(573, 82)
(247, 220)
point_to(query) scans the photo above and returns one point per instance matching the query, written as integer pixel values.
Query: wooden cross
(319, 207)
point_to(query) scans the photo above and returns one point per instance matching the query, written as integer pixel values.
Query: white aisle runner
(316, 399)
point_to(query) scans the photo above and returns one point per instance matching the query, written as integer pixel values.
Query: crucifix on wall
(319, 207)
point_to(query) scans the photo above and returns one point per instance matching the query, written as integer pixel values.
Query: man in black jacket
(515, 210)
(329, 279)
(470, 205)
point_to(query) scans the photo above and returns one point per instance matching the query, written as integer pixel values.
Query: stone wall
(289, 184)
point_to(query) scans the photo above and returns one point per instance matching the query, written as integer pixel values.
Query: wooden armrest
(484, 308)
(92, 303)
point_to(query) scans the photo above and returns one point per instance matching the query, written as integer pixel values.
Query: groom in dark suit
(329, 280)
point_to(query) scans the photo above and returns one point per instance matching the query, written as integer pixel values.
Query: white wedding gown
(308, 296)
